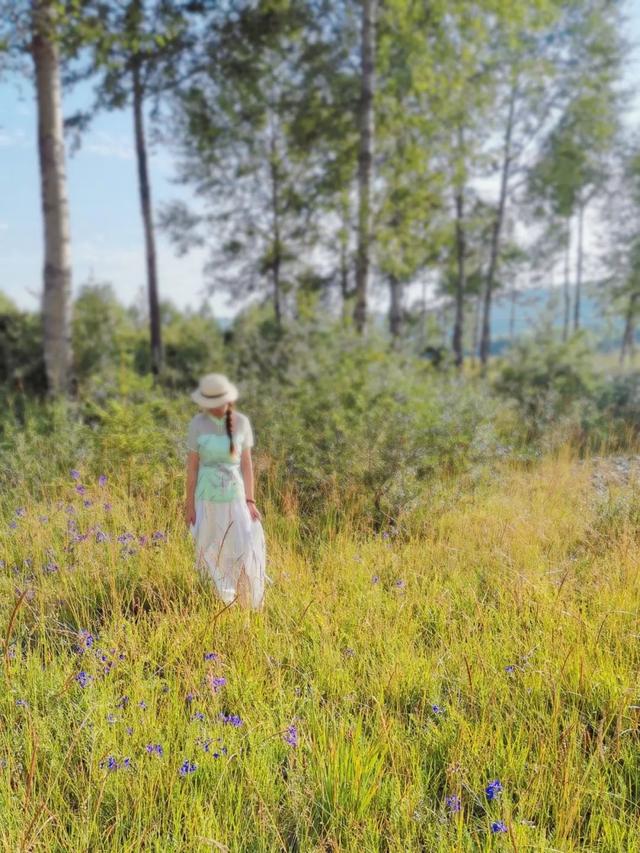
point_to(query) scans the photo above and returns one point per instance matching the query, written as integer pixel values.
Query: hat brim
(207, 403)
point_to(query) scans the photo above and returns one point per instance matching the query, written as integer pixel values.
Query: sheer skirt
(231, 550)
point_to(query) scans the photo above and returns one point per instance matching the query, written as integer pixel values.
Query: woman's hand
(189, 514)
(254, 512)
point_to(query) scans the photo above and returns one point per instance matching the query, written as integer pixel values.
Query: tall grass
(493, 637)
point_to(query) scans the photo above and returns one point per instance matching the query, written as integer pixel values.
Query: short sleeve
(248, 434)
(192, 435)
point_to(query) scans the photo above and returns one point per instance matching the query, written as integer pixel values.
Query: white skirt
(231, 549)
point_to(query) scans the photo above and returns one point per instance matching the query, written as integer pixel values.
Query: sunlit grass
(496, 637)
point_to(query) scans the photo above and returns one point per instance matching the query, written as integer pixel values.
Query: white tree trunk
(365, 160)
(579, 267)
(56, 302)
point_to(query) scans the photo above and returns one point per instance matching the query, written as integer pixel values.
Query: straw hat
(214, 390)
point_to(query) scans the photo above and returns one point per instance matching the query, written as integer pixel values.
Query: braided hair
(232, 449)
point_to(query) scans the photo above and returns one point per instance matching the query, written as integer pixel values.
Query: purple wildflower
(102, 480)
(291, 736)
(111, 718)
(375, 579)
(210, 656)
(400, 583)
(75, 474)
(232, 719)
(188, 767)
(493, 789)
(158, 536)
(437, 709)
(452, 802)
(499, 826)
(110, 763)
(510, 668)
(80, 489)
(122, 702)
(142, 704)
(86, 638)
(154, 748)
(21, 512)
(101, 536)
(83, 678)
(198, 716)
(22, 703)
(87, 503)
(107, 506)
(216, 682)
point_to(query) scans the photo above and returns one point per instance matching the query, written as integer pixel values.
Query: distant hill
(533, 308)
(539, 305)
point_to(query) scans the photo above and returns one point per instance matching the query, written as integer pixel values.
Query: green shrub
(552, 383)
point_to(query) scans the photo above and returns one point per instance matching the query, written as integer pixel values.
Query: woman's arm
(193, 462)
(246, 466)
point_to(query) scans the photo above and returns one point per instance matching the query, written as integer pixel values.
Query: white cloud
(16, 138)
(104, 144)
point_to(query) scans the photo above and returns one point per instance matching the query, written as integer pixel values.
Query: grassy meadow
(466, 682)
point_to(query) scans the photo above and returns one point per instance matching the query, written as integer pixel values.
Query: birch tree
(365, 160)
(56, 302)
(35, 28)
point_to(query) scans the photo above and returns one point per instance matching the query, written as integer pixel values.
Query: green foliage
(550, 381)
(193, 344)
(618, 406)
(21, 357)
(103, 332)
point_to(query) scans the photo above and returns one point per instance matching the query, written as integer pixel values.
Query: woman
(220, 508)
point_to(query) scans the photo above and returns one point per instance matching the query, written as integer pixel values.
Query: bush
(552, 383)
(346, 422)
(618, 405)
(21, 358)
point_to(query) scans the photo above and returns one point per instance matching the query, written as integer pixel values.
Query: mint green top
(219, 474)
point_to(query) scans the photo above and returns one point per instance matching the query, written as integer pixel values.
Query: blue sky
(106, 229)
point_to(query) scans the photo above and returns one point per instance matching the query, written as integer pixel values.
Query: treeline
(336, 146)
